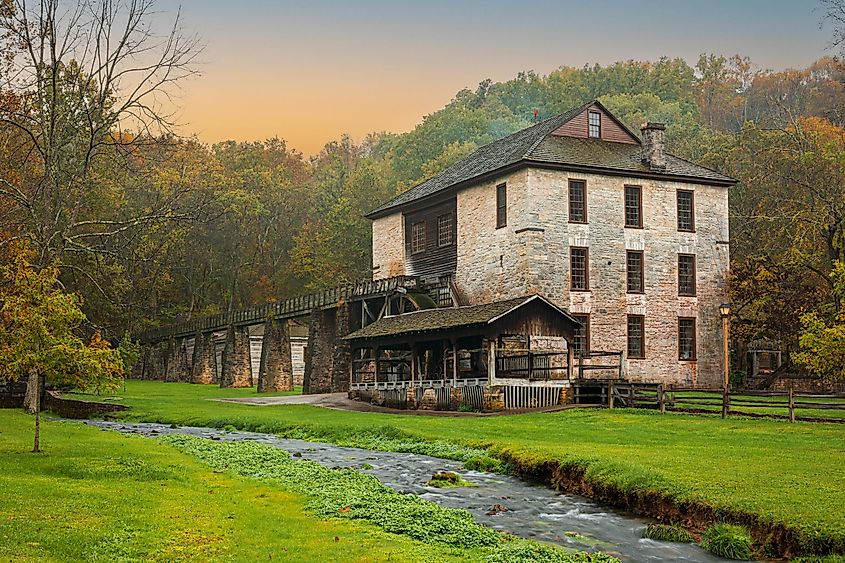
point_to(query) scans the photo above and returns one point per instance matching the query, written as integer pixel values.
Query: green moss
(729, 541)
(447, 480)
(668, 532)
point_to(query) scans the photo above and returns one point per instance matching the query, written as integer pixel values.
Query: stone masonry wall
(388, 247)
(531, 254)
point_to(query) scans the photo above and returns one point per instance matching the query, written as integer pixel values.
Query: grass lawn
(785, 473)
(103, 496)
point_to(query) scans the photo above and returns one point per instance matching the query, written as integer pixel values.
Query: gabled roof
(432, 320)
(536, 145)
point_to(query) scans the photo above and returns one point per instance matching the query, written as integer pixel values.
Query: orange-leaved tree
(39, 336)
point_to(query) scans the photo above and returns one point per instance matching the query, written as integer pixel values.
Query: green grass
(784, 473)
(668, 532)
(345, 493)
(103, 496)
(728, 541)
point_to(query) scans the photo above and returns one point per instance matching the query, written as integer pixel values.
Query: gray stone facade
(531, 255)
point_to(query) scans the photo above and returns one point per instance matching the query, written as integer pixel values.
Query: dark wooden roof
(535, 145)
(437, 320)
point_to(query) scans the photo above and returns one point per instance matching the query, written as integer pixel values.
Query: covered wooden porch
(469, 351)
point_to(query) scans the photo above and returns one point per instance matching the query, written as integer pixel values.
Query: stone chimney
(654, 145)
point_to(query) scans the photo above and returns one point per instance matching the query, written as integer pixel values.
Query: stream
(533, 511)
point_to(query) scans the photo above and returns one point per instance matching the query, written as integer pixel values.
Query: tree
(39, 325)
(87, 81)
(823, 343)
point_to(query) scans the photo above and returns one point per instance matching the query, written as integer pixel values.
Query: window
(634, 267)
(418, 237)
(501, 205)
(686, 338)
(686, 275)
(444, 230)
(633, 206)
(636, 336)
(581, 342)
(686, 211)
(577, 201)
(579, 275)
(595, 125)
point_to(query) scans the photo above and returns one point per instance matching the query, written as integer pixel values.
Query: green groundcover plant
(346, 493)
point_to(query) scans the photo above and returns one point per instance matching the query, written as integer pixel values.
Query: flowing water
(533, 511)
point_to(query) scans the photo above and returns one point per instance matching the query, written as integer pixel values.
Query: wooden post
(632, 401)
(610, 394)
(413, 363)
(491, 361)
(454, 364)
(791, 404)
(378, 365)
(570, 359)
(661, 399)
(726, 401)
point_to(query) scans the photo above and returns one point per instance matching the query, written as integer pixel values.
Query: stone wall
(531, 254)
(388, 247)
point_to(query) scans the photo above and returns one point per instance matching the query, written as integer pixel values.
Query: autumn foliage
(41, 330)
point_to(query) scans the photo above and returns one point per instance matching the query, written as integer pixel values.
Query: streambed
(533, 511)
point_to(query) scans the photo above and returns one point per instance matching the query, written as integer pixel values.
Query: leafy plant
(729, 541)
(668, 532)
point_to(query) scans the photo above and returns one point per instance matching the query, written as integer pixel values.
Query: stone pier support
(342, 352)
(171, 360)
(320, 352)
(204, 365)
(155, 367)
(276, 371)
(237, 365)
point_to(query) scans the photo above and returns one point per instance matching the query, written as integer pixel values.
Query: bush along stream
(347, 482)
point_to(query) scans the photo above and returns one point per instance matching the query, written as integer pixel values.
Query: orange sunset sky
(311, 71)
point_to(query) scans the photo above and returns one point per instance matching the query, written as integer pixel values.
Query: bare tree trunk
(30, 399)
(32, 404)
(36, 445)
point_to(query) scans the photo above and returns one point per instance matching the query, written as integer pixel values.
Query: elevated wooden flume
(287, 309)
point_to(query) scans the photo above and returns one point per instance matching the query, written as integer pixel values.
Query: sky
(308, 71)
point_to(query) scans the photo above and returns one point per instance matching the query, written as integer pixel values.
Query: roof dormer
(595, 122)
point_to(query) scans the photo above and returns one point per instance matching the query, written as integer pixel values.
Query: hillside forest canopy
(149, 228)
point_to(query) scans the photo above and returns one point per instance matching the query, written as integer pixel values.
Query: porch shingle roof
(430, 320)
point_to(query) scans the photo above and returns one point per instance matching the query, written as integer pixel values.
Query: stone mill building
(604, 224)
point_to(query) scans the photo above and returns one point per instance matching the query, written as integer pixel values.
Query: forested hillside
(169, 229)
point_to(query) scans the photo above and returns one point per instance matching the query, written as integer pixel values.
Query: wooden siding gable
(433, 260)
(611, 128)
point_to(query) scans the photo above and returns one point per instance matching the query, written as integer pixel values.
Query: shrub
(521, 551)
(668, 532)
(728, 541)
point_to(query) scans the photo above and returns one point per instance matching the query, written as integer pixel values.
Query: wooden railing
(532, 365)
(289, 308)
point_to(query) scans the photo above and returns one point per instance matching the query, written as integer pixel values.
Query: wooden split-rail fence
(791, 405)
